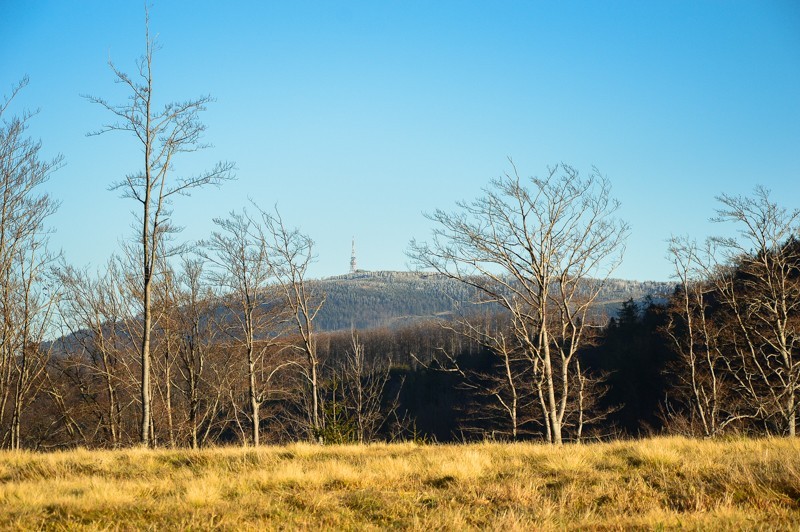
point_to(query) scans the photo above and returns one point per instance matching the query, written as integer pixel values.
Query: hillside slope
(366, 300)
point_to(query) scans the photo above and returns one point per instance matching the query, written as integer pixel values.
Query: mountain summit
(364, 299)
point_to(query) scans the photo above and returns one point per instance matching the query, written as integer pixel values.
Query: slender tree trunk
(581, 396)
(168, 400)
(251, 371)
(514, 396)
(552, 406)
(6, 384)
(540, 392)
(15, 426)
(315, 395)
(254, 404)
(112, 419)
(23, 375)
(145, 391)
(360, 400)
(193, 405)
(146, 325)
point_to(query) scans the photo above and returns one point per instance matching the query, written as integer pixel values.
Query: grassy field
(657, 483)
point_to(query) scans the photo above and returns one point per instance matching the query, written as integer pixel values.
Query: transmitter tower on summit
(353, 257)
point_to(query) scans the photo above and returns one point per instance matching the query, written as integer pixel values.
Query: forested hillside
(365, 300)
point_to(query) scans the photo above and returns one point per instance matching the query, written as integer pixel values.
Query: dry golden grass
(658, 483)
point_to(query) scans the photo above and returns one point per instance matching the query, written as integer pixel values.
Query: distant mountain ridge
(372, 299)
(368, 299)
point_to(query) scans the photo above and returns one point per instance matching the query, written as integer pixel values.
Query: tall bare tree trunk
(162, 135)
(552, 407)
(168, 394)
(253, 392)
(581, 399)
(312, 361)
(193, 406)
(145, 388)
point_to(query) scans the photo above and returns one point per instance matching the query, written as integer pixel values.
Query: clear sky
(357, 117)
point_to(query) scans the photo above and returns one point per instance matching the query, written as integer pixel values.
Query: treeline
(701, 363)
(427, 381)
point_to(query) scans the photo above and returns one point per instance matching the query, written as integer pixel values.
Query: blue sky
(357, 117)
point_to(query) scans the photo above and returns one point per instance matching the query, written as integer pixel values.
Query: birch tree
(161, 133)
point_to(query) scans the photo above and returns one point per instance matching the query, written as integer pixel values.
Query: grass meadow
(660, 483)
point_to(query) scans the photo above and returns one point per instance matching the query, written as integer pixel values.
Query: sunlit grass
(657, 483)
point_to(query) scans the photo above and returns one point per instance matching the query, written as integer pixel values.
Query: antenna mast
(353, 257)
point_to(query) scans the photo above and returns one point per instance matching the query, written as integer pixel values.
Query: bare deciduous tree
(95, 320)
(504, 383)
(257, 314)
(762, 294)
(162, 135)
(26, 297)
(198, 327)
(192, 347)
(540, 251)
(290, 254)
(697, 336)
(737, 322)
(363, 391)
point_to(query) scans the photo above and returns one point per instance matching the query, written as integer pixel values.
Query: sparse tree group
(735, 321)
